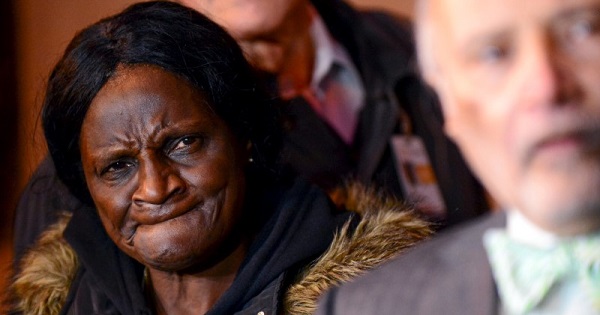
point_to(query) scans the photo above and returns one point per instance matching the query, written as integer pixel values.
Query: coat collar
(384, 229)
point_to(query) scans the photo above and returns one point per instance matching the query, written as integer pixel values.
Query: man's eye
(584, 28)
(493, 54)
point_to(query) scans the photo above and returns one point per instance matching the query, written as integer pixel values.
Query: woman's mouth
(153, 215)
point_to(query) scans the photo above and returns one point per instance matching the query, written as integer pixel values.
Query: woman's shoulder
(385, 228)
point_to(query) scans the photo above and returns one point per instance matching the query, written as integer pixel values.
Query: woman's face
(165, 172)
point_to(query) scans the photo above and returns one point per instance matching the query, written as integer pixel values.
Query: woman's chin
(168, 265)
(167, 258)
(168, 248)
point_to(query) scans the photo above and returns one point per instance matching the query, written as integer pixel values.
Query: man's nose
(157, 182)
(549, 80)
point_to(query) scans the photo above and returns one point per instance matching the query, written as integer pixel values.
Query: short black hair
(178, 40)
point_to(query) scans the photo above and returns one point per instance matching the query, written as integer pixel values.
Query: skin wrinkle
(172, 194)
(169, 200)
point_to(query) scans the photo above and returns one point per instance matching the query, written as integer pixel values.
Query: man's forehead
(461, 20)
(457, 21)
(482, 12)
(463, 11)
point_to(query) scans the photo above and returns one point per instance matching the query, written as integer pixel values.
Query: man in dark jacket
(386, 130)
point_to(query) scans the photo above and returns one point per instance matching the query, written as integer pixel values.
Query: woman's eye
(187, 144)
(117, 167)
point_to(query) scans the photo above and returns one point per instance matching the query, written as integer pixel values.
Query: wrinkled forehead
(463, 20)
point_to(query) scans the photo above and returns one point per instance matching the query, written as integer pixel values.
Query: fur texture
(47, 270)
(385, 229)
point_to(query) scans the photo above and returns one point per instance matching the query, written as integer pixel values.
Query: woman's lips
(149, 214)
(155, 214)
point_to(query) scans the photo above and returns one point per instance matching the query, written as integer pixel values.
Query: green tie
(525, 274)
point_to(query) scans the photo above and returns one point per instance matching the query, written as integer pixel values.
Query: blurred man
(518, 82)
(354, 107)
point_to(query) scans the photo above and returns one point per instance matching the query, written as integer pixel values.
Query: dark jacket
(448, 274)
(382, 49)
(85, 273)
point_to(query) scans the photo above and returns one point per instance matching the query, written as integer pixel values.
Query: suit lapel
(469, 272)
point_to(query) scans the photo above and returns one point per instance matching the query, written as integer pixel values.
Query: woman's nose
(157, 182)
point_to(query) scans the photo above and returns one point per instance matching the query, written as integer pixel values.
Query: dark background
(8, 133)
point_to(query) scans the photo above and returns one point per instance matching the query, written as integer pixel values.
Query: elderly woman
(154, 120)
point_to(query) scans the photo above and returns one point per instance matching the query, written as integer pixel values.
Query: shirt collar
(327, 52)
(523, 230)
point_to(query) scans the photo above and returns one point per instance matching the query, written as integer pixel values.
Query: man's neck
(297, 67)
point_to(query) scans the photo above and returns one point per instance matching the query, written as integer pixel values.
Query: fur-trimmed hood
(386, 228)
(46, 273)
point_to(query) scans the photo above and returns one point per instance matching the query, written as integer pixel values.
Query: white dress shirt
(567, 297)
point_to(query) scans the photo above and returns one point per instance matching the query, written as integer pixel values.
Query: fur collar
(46, 273)
(386, 228)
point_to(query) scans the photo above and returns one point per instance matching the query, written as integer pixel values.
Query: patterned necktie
(525, 274)
(340, 101)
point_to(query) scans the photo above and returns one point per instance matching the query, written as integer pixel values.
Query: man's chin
(565, 207)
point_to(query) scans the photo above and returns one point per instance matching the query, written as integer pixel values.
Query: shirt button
(260, 313)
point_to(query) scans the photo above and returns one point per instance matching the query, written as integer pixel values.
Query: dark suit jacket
(449, 274)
